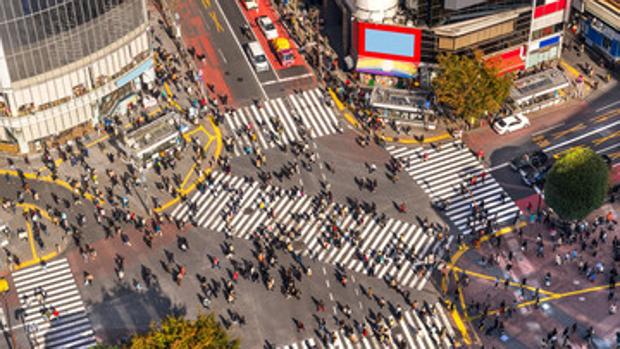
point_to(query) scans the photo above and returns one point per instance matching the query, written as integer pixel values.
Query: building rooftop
(538, 84)
(145, 136)
(607, 11)
(472, 25)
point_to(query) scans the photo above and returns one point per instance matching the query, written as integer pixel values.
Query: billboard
(388, 49)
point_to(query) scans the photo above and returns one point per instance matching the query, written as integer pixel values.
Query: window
(606, 43)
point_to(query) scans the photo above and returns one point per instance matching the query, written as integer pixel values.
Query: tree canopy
(469, 86)
(179, 333)
(577, 183)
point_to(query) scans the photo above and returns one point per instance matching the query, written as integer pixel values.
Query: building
(385, 38)
(66, 63)
(600, 27)
(149, 142)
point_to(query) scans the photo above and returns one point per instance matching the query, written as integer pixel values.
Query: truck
(282, 48)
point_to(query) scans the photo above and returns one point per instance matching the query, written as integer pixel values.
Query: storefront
(546, 49)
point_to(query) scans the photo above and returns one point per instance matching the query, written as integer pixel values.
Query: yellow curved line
(35, 257)
(203, 176)
(47, 179)
(353, 121)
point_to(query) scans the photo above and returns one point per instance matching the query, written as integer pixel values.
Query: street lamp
(4, 289)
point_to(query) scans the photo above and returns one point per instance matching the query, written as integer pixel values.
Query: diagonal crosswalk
(452, 174)
(391, 248)
(281, 121)
(415, 330)
(42, 290)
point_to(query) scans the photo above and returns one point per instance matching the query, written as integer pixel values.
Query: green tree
(179, 333)
(469, 86)
(577, 183)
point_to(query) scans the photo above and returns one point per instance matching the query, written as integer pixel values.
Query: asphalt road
(222, 26)
(596, 126)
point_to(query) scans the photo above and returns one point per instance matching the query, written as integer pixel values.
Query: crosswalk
(42, 290)
(416, 330)
(373, 251)
(453, 174)
(282, 120)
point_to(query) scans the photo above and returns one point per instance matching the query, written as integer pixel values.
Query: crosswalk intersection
(372, 253)
(281, 120)
(415, 330)
(44, 290)
(452, 174)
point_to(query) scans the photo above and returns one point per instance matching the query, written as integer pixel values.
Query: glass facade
(41, 35)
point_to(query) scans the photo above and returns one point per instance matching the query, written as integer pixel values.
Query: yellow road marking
(206, 172)
(560, 154)
(569, 67)
(206, 3)
(27, 206)
(492, 278)
(541, 141)
(602, 140)
(580, 126)
(47, 179)
(33, 248)
(606, 116)
(461, 326)
(32, 262)
(216, 21)
(353, 121)
(560, 296)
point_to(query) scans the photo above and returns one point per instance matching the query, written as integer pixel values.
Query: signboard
(388, 49)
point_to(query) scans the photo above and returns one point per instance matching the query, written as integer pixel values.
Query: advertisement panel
(388, 49)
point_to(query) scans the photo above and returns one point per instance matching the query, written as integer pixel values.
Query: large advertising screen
(388, 49)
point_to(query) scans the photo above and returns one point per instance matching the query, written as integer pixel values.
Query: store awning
(507, 65)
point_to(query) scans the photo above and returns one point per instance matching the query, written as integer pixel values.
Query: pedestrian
(300, 326)
(88, 278)
(216, 263)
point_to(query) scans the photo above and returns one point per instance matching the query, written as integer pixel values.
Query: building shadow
(124, 310)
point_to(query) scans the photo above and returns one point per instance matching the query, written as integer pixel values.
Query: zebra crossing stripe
(444, 173)
(309, 107)
(213, 206)
(72, 329)
(417, 333)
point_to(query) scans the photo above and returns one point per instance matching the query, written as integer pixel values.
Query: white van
(257, 56)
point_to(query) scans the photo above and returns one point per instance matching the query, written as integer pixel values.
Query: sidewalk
(388, 133)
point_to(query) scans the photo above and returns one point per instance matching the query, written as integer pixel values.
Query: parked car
(250, 4)
(511, 123)
(267, 27)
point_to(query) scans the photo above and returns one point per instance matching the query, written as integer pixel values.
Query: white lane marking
(582, 136)
(222, 55)
(255, 35)
(548, 129)
(291, 78)
(245, 57)
(607, 106)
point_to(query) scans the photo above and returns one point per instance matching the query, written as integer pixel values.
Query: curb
(356, 124)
